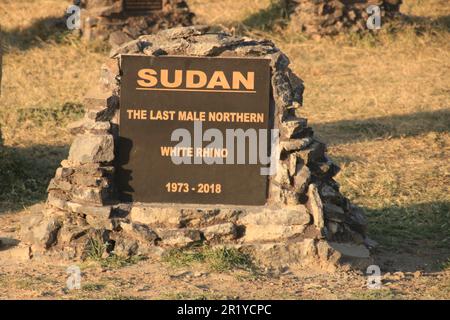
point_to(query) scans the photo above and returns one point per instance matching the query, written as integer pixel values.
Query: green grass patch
(217, 259)
(381, 294)
(402, 227)
(187, 295)
(95, 252)
(93, 287)
(61, 115)
(25, 174)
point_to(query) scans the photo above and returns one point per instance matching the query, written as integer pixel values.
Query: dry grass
(381, 102)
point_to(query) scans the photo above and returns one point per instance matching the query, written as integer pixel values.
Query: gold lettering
(177, 81)
(248, 82)
(191, 75)
(148, 78)
(219, 79)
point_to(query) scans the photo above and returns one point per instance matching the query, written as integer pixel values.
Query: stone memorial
(121, 185)
(331, 17)
(120, 21)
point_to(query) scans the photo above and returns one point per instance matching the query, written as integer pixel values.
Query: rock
(39, 230)
(334, 213)
(220, 232)
(267, 217)
(313, 154)
(95, 196)
(283, 94)
(332, 227)
(282, 176)
(92, 149)
(125, 247)
(179, 237)
(302, 180)
(264, 233)
(156, 217)
(102, 211)
(184, 32)
(330, 194)
(100, 222)
(292, 127)
(315, 206)
(279, 61)
(199, 218)
(70, 233)
(357, 220)
(296, 144)
(57, 200)
(351, 251)
(369, 243)
(145, 233)
(117, 38)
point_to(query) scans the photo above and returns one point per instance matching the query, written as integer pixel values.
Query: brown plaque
(162, 94)
(136, 6)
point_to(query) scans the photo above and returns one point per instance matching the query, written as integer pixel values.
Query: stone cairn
(120, 21)
(331, 17)
(307, 220)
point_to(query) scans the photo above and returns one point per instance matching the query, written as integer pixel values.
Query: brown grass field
(380, 101)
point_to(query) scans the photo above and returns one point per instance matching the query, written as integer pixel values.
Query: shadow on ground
(25, 174)
(49, 29)
(409, 125)
(276, 14)
(414, 237)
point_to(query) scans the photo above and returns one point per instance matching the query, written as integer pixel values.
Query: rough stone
(92, 149)
(220, 232)
(356, 255)
(70, 233)
(334, 212)
(179, 237)
(287, 217)
(125, 247)
(145, 233)
(156, 217)
(302, 180)
(97, 196)
(291, 127)
(102, 211)
(39, 230)
(296, 144)
(315, 206)
(274, 232)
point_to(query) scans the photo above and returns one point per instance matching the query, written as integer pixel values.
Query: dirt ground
(380, 101)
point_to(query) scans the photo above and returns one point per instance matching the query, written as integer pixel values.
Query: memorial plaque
(162, 94)
(136, 6)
